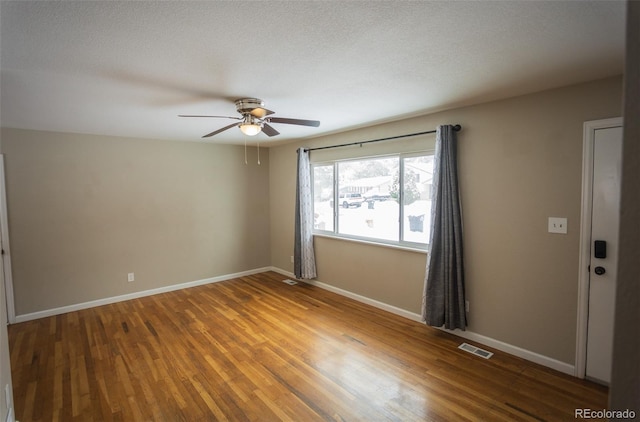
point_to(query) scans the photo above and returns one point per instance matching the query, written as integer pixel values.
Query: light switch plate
(557, 225)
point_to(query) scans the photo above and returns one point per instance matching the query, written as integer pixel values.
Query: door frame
(6, 257)
(589, 131)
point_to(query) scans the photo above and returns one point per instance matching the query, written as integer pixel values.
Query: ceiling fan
(255, 119)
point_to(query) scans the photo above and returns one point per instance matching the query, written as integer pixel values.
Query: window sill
(371, 242)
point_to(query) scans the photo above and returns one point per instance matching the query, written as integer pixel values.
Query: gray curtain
(444, 300)
(304, 261)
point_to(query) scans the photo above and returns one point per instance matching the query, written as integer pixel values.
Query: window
(383, 199)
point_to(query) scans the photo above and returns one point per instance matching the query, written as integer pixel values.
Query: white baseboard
(515, 350)
(355, 296)
(468, 335)
(135, 295)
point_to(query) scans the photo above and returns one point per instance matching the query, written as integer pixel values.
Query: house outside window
(377, 199)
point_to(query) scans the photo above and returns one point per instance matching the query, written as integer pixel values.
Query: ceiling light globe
(250, 129)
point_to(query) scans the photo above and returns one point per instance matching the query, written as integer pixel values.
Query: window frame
(335, 233)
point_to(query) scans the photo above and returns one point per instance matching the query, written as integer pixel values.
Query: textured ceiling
(129, 68)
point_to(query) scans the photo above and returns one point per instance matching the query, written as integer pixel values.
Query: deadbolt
(599, 270)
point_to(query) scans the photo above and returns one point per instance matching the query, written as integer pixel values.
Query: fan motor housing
(247, 105)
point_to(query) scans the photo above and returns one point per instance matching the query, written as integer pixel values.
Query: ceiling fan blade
(260, 112)
(269, 130)
(219, 117)
(220, 130)
(314, 123)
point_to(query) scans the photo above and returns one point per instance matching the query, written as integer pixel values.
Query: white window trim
(369, 241)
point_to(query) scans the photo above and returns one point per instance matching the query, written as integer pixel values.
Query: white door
(7, 313)
(602, 270)
(5, 255)
(6, 393)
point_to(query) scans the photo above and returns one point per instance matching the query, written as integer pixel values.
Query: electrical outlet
(292, 259)
(466, 306)
(130, 277)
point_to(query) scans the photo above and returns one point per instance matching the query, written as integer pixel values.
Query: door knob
(599, 270)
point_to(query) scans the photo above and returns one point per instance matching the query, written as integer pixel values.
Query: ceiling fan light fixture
(250, 126)
(255, 119)
(250, 129)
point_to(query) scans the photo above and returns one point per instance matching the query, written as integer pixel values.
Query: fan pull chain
(258, 153)
(245, 152)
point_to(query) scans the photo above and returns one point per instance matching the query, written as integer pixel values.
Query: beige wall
(86, 210)
(520, 163)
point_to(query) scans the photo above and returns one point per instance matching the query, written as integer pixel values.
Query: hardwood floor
(255, 348)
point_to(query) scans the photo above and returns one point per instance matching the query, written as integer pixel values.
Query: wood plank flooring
(255, 348)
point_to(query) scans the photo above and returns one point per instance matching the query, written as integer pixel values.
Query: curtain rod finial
(457, 128)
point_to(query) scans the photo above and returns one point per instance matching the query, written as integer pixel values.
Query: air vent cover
(475, 350)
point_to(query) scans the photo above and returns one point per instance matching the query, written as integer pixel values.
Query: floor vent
(475, 350)
(290, 282)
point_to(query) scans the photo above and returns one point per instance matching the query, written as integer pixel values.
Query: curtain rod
(455, 127)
